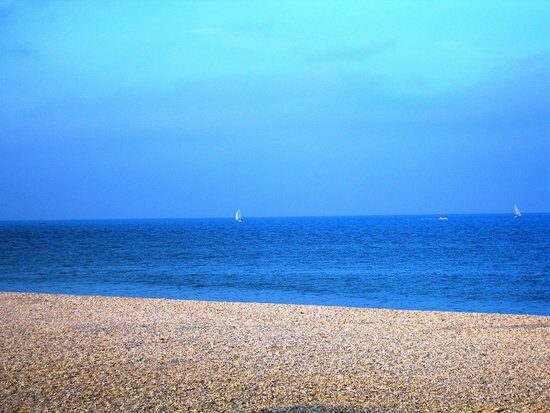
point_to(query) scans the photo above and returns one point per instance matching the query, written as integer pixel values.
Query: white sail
(238, 216)
(517, 211)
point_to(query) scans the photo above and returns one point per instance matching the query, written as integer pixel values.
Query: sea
(470, 263)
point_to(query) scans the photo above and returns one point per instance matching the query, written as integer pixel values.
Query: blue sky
(136, 109)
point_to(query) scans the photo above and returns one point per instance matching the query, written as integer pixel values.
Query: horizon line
(264, 216)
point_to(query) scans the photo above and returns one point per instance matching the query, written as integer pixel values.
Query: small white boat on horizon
(238, 216)
(442, 218)
(517, 212)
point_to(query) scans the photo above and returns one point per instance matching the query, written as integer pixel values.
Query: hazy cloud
(355, 53)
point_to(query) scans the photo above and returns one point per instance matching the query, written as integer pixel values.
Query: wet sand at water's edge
(76, 353)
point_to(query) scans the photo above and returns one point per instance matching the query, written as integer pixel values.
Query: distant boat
(517, 212)
(239, 216)
(442, 218)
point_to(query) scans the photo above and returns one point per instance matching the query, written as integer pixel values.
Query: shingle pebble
(79, 353)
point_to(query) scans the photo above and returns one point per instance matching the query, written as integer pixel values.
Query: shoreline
(74, 352)
(336, 306)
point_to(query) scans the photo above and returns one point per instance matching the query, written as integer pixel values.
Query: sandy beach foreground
(74, 353)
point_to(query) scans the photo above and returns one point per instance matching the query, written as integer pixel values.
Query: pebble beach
(81, 353)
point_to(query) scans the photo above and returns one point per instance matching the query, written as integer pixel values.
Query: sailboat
(239, 216)
(517, 212)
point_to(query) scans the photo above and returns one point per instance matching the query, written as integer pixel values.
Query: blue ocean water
(480, 263)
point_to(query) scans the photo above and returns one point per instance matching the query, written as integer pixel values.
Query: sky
(147, 109)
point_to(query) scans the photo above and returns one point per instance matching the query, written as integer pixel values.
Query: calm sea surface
(482, 263)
